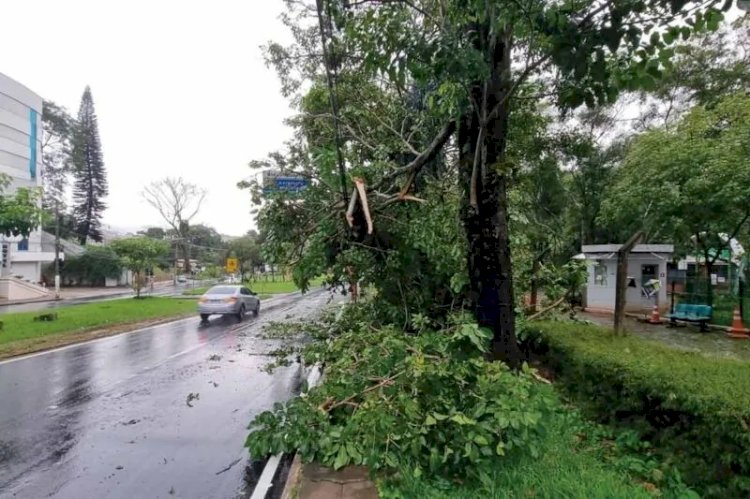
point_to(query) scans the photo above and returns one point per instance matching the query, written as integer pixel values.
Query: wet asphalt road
(110, 418)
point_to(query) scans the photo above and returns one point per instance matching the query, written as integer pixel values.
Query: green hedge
(694, 409)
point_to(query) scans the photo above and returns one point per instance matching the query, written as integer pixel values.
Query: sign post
(232, 265)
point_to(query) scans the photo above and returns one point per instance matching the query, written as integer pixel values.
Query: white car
(228, 300)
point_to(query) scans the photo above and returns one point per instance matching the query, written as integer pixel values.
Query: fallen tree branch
(540, 378)
(328, 406)
(543, 311)
(350, 209)
(360, 185)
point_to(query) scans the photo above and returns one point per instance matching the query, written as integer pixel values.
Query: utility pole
(57, 250)
(622, 277)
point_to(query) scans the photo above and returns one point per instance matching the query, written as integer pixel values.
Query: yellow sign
(231, 265)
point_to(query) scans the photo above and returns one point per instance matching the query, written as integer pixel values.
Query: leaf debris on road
(192, 396)
(230, 466)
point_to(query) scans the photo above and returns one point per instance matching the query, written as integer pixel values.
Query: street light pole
(57, 250)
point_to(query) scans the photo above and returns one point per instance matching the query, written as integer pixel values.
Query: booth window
(600, 274)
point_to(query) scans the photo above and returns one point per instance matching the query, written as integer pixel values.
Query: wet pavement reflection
(115, 418)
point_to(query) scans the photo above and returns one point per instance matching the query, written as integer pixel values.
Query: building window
(23, 244)
(600, 274)
(32, 145)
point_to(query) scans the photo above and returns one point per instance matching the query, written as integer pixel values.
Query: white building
(646, 262)
(21, 160)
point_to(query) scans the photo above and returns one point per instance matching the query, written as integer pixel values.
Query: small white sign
(714, 278)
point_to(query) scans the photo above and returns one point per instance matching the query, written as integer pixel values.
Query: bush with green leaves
(693, 409)
(426, 402)
(92, 267)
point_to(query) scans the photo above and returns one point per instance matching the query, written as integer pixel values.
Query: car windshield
(221, 290)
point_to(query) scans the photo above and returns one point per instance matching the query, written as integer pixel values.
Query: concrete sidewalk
(72, 294)
(312, 481)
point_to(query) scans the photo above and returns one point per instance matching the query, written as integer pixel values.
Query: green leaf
(430, 420)
(480, 440)
(351, 449)
(500, 448)
(462, 419)
(666, 54)
(502, 421)
(341, 458)
(713, 18)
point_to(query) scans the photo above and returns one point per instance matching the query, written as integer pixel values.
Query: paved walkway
(318, 482)
(713, 343)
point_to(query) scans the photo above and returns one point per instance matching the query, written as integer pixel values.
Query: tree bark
(486, 223)
(186, 254)
(534, 285)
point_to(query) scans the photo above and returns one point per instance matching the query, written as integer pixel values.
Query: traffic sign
(232, 265)
(276, 181)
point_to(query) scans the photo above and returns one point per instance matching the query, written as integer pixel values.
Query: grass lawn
(274, 287)
(262, 287)
(640, 385)
(565, 468)
(21, 334)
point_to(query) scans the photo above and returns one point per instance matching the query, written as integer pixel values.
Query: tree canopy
(413, 120)
(90, 186)
(19, 212)
(140, 254)
(689, 185)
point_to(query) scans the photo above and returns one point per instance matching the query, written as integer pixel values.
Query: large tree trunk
(186, 255)
(486, 224)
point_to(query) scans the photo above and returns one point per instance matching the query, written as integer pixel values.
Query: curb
(291, 488)
(269, 470)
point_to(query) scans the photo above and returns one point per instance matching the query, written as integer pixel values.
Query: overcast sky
(180, 89)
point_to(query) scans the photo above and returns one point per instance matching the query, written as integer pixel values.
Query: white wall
(27, 271)
(16, 103)
(602, 296)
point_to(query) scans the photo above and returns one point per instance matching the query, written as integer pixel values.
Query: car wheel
(241, 313)
(257, 310)
(204, 317)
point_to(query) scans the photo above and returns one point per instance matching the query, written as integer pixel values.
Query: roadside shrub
(425, 402)
(694, 409)
(92, 267)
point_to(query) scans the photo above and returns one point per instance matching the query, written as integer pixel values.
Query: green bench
(687, 312)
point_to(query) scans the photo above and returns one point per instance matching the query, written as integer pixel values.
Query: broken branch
(543, 311)
(427, 155)
(360, 185)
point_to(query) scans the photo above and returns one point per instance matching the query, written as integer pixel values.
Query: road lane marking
(266, 478)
